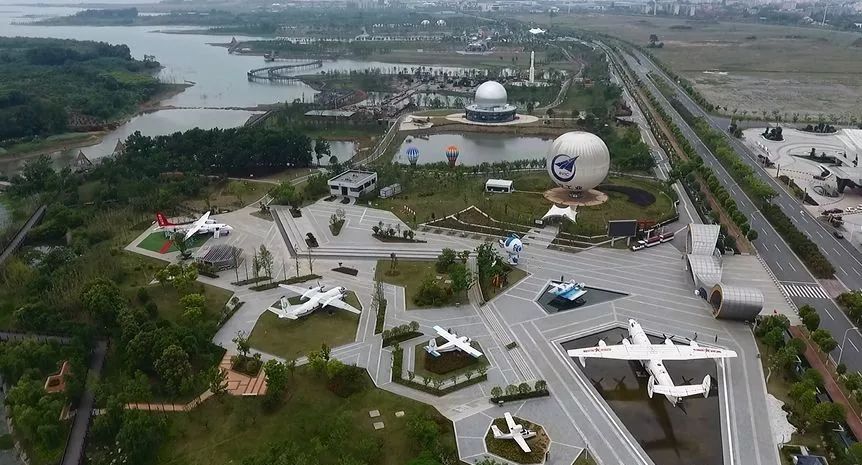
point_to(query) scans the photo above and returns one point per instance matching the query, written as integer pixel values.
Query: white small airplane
(569, 290)
(516, 433)
(651, 355)
(313, 299)
(453, 342)
(202, 225)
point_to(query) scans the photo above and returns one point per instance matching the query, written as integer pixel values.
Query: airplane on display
(516, 433)
(203, 225)
(569, 290)
(313, 299)
(651, 356)
(453, 343)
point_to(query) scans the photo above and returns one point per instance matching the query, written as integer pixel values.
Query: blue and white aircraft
(569, 290)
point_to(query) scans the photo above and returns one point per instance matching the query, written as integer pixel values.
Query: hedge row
(398, 363)
(400, 338)
(521, 396)
(806, 249)
(293, 280)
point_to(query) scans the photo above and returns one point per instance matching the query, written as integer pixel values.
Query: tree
(193, 307)
(824, 340)
(811, 321)
(511, 390)
(854, 453)
(774, 338)
(496, 391)
(445, 260)
(182, 244)
(264, 257)
(524, 388)
(217, 381)
(825, 412)
(276, 380)
(141, 433)
(173, 367)
(103, 300)
(321, 149)
(333, 161)
(541, 385)
(462, 279)
(242, 344)
(284, 194)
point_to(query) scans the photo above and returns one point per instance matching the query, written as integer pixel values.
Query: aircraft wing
(295, 289)
(282, 312)
(197, 225)
(651, 352)
(338, 303)
(510, 421)
(521, 442)
(457, 342)
(573, 294)
(680, 391)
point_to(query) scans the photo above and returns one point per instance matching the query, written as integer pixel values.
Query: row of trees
(523, 388)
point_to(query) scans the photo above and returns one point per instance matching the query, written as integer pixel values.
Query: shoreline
(151, 105)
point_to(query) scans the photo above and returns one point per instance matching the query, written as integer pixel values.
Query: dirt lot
(802, 70)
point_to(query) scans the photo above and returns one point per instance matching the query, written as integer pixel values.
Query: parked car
(838, 235)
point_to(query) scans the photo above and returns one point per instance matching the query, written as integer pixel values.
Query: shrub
(524, 388)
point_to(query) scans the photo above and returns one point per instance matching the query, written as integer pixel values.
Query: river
(220, 83)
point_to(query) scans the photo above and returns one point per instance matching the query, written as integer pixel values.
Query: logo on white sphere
(563, 167)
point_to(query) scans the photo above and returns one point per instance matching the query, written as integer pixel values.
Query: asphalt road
(788, 269)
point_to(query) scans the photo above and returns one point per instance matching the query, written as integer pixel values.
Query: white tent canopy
(559, 212)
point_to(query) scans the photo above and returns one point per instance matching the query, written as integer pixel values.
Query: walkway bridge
(282, 72)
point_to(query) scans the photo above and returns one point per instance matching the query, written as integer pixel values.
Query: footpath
(811, 354)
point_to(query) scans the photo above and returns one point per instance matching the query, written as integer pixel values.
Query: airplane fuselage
(655, 368)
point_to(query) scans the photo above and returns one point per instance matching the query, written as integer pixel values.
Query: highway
(792, 276)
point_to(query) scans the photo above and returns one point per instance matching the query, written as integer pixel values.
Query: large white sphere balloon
(578, 161)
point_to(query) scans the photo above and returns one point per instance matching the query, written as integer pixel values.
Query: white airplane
(651, 355)
(569, 290)
(516, 433)
(453, 342)
(202, 225)
(313, 299)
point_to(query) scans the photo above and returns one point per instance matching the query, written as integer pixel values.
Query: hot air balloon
(452, 155)
(412, 155)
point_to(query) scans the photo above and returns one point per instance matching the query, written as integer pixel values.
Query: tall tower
(532, 67)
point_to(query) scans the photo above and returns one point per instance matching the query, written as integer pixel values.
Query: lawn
(465, 361)
(227, 431)
(155, 241)
(230, 195)
(434, 198)
(515, 275)
(167, 299)
(410, 275)
(296, 338)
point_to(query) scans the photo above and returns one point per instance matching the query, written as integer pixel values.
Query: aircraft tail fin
(687, 390)
(163, 220)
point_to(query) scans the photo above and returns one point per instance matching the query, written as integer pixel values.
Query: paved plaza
(659, 294)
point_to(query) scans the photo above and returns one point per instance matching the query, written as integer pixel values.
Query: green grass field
(155, 241)
(167, 299)
(226, 431)
(296, 338)
(420, 356)
(410, 275)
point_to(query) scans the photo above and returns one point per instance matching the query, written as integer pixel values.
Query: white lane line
(791, 265)
(779, 265)
(852, 344)
(842, 269)
(820, 234)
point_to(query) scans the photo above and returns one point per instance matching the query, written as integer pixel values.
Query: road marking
(842, 269)
(779, 265)
(852, 344)
(791, 265)
(812, 291)
(819, 234)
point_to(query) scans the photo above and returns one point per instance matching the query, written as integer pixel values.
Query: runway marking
(812, 291)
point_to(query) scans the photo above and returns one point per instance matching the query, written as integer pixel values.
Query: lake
(474, 148)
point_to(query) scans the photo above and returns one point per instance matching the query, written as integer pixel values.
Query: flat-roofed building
(353, 183)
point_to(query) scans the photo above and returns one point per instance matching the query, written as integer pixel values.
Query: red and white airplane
(203, 225)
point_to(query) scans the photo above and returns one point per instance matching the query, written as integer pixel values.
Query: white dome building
(441, 23)
(578, 161)
(490, 104)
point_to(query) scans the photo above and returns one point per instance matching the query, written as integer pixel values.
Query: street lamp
(841, 352)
